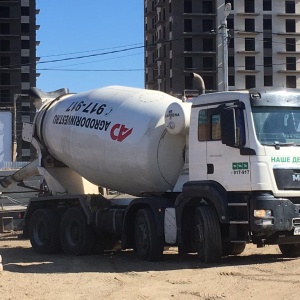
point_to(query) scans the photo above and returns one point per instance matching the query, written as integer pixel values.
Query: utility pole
(223, 26)
(15, 137)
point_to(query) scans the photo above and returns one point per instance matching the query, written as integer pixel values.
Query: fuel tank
(115, 137)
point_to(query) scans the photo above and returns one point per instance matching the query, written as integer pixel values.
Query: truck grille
(287, 178)
(296, 222)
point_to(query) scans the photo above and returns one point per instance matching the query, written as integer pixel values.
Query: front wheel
(44, 231)
(148, 245)
(290, 250)
(208, 240)
(77, 237)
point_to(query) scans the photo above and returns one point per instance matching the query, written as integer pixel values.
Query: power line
(98, 60)
(156, 69)
(18, 67)
(90, 70)
(90, 55)
(93, 50)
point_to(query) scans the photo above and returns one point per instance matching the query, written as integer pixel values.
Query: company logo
(296, 177)
(172, 114)
(119, 132)
(240, 166)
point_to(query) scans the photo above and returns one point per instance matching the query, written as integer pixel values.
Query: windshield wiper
(285, 144)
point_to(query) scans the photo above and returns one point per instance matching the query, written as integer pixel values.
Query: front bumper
(285, 215)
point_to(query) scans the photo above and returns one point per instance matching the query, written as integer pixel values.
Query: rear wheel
(207, 234)
(44, 231)
(290, 250)
(77, 237)
(148, 245)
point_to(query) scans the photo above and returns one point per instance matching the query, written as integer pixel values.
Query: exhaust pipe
(200, 82)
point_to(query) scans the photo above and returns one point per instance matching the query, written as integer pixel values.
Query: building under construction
(184, 36)
(17, 71)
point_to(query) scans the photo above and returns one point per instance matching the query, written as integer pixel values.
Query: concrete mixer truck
(208, 175)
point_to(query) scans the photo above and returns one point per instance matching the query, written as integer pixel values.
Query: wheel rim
(40, 233)
(72, 233)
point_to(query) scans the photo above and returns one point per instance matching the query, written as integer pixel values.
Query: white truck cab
(244, 160)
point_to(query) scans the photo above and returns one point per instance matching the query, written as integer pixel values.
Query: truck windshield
(277, 125)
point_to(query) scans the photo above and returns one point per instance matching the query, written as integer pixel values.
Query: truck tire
(229, 248)
(44, 231)
(208, 240)
(148, 245)
(76, 236)
(290, 250)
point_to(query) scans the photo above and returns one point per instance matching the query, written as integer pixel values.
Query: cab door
(228, 165)
(197, 144)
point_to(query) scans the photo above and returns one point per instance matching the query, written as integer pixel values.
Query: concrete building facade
(186, 36)
(18, 63)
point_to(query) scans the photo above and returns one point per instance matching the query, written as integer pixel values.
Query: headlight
(262, 213)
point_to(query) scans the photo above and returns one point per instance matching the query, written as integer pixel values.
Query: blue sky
(77, 28)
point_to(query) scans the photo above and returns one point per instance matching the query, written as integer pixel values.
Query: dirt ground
(256, 274)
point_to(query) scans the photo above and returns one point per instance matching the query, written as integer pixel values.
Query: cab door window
(209, 125)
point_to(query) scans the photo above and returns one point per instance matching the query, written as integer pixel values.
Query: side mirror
(233, 127)
(228, 127)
